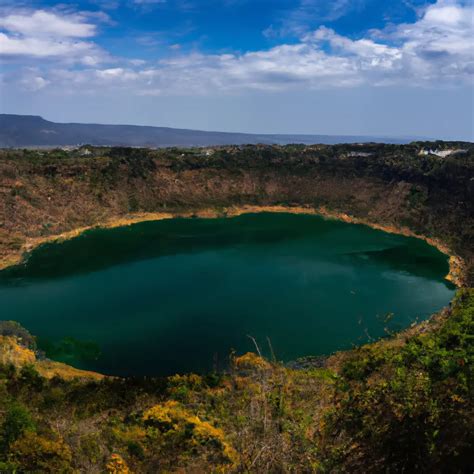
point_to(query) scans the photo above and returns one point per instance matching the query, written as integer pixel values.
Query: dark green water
(172, 296)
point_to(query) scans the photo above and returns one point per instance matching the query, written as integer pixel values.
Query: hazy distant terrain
(32, 130)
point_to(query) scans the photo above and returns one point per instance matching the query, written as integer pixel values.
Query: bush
(33, 453)
(407, 408)
(18, 420)
(175, 425)
(14, 329)
(116, 465)
(30, 376)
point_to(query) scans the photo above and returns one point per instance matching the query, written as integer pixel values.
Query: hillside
(402, 404)
(47, 193)
(30, 131)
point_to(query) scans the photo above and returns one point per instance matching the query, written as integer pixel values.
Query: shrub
(117, 465)
(31, 377)
(18, 420)
(179, 427)
(33, 453)
(250, 362)
(12, 328)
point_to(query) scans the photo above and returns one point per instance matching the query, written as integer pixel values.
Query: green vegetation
(408, 406)
(403, 404)
(16, 422)
(400, 404)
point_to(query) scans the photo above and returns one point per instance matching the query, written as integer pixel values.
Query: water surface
(178, 295)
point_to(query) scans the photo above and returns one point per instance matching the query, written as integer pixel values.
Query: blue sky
(400, 67)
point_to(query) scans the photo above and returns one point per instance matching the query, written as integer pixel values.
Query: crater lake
(179, 295)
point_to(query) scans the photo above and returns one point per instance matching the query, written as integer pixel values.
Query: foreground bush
(409, 407)
(403, 404)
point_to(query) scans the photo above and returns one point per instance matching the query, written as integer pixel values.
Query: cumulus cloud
(43, 34)
(280, 68)
(441, 43)
(369, 54)
(434, 50)
(43, 23)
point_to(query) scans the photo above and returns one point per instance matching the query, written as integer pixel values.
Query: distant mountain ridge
(33, 130)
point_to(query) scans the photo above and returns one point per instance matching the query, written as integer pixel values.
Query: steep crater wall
(46, 193)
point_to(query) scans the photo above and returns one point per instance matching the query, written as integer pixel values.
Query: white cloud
(369, 54)
(34, 82)
(39, 47)
(444, 14)
(445, 28)
(440, 45)
(434, 50)
(43, 34)
(42, 23)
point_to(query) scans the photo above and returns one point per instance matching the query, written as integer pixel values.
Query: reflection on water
(70, 349)
(415, 259)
